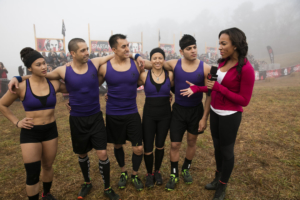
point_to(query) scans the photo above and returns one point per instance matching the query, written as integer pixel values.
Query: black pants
(223, 131)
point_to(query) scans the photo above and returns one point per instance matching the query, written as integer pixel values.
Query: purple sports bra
(32, 102)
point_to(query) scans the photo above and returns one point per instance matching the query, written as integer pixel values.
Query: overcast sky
(17, 19)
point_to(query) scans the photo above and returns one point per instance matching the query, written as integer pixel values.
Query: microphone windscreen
(213, 70)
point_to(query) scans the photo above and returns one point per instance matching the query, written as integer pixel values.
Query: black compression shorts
(39, 133)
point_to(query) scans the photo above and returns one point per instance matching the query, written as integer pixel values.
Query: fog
(268, 22)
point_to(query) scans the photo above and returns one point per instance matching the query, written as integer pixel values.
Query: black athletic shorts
(39, 133)
(185, 119)
(124, 127)
(87, 133)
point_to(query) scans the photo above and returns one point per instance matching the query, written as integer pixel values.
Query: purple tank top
(153, 89)
(32, 102)
(83, 91)
(122, 90)
(196, 77)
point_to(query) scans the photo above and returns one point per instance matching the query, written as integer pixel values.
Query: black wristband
(17, 124)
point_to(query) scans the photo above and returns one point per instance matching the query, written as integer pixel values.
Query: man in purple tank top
(86, 120)
(123, 121)
(187, 112)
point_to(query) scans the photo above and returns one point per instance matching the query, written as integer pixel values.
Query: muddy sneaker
(187, 176)
(158, 178)
(220, 192)
(213, 185)
(149, 181)
(110, 193)
(85, 189)
(137, 182)
(171, 183)
(123, 180)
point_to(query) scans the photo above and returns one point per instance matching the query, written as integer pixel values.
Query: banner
(45, 44)
(168, 48)
(135, 47)
(211, 50)
(271, 53)
(100, 45)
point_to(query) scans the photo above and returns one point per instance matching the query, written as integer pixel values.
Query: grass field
(267, 154)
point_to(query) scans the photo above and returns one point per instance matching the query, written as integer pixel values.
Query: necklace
(157, 77)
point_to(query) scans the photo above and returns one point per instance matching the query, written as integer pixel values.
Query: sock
(104, 167)
(119, 154)
(136, 161)
(187, 164)
(85, 168)
(47, 186)
(159, 155)
(35, 197)
(174, 168)
(149, 162)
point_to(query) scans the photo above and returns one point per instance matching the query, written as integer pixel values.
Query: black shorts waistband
(42, 127)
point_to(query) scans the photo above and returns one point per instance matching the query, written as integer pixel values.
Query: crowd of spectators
(257, 64)
(55, 59)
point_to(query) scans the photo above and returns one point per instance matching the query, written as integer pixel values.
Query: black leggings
(223, 131)
(157, 129)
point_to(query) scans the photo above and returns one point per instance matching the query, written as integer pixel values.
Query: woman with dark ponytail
(38, 136)
(232, 91)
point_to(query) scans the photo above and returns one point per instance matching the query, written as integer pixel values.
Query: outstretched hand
(187, 92)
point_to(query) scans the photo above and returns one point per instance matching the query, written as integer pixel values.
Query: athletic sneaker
(149, 181)
(48, 197)
(158, 178)
(220, 192)
(123, 180)
(213, 185)
(111, 194)
(187, 176)
(85, 189)
(172, 182)
(137, 183)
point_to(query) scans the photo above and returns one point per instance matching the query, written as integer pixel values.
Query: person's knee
(191, 143)
(33, 171)
(227, 152)
(82, 155)
(175, 146)
(138, 150)
(47, 166)
(102, 154)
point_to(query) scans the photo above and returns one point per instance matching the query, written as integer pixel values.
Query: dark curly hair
(25, 54)
(239, 40)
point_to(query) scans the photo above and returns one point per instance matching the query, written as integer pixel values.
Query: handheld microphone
(212, 76)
